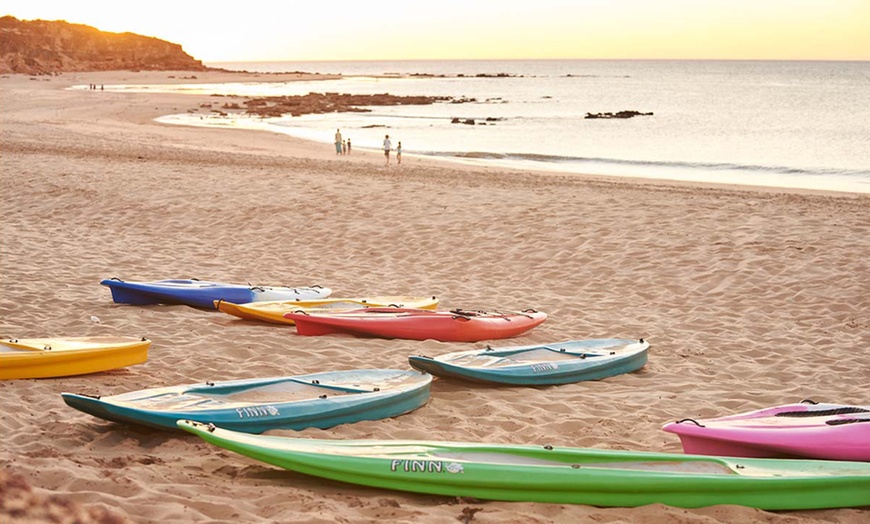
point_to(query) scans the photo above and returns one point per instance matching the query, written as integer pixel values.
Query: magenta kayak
(805, 430)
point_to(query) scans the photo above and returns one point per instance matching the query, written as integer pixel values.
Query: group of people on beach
(343, 147)
(388, 146)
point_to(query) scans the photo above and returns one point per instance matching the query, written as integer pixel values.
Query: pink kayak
(419, 324)
(805, 430)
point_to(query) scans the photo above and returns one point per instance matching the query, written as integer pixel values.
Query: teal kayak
(540, 364)
(558, 475)
(318, 400)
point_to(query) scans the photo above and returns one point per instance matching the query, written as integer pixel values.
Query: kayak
(419, 324)
(202, 293)
(319, 400)
(558, 475)
(807, 429)
(60, 357)
(540, 364)
(274, 311)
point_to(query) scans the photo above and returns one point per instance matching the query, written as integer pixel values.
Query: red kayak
(419, 324)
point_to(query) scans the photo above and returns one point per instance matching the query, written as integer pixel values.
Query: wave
(695, 166)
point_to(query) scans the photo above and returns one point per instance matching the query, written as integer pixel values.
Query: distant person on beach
(337, 141)
(399, 153)
(344, 147)
(348, 146)
(387, 147)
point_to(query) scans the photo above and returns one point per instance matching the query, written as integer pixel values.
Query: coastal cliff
(46, 47)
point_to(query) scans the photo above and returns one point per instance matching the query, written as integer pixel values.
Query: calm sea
(781, 124)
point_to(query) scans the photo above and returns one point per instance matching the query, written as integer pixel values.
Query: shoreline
(196, 103)
(750, 297)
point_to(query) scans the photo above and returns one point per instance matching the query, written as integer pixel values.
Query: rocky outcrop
(313, 103)
(48, 47)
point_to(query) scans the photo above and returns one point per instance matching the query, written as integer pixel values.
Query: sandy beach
(750, 298)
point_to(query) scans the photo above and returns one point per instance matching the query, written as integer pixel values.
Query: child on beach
(399, 153)
(348, 146)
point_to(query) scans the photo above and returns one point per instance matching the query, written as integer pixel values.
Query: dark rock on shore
(620, 114)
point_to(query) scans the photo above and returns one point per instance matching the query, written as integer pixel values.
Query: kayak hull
(320, 400)
(558, 475)
(818, 431)
(416, 324)
(60, 357)
(201, 293)
(540, 365)
(274, 311)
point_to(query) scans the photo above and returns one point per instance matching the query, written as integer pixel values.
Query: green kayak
(558, 475)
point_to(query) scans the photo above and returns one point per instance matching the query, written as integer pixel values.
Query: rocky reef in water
(315, 103)
(40, 47)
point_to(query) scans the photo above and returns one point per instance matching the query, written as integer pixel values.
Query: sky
(298, 30)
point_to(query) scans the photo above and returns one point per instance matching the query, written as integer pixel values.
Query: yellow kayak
(274, 311)
(60, 357)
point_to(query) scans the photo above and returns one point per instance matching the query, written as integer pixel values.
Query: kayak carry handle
(808, 401)
(693, 421)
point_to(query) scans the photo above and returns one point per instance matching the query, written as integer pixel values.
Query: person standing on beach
(337, 141)
(387, 147)
(399, 153)
(348, 146)
(344, 147)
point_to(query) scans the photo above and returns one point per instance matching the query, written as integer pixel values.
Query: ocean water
(767, 123)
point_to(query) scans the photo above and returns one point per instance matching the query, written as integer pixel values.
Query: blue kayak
(542, 364)
(318, 400)
(203, 293)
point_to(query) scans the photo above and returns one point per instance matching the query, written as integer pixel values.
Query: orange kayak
(274, 311)
(418, 324)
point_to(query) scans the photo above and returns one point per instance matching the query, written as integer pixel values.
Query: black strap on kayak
(841, 421)
(823, 412)
(116, 278)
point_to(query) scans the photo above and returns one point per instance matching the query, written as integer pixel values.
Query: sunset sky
(294, 30)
